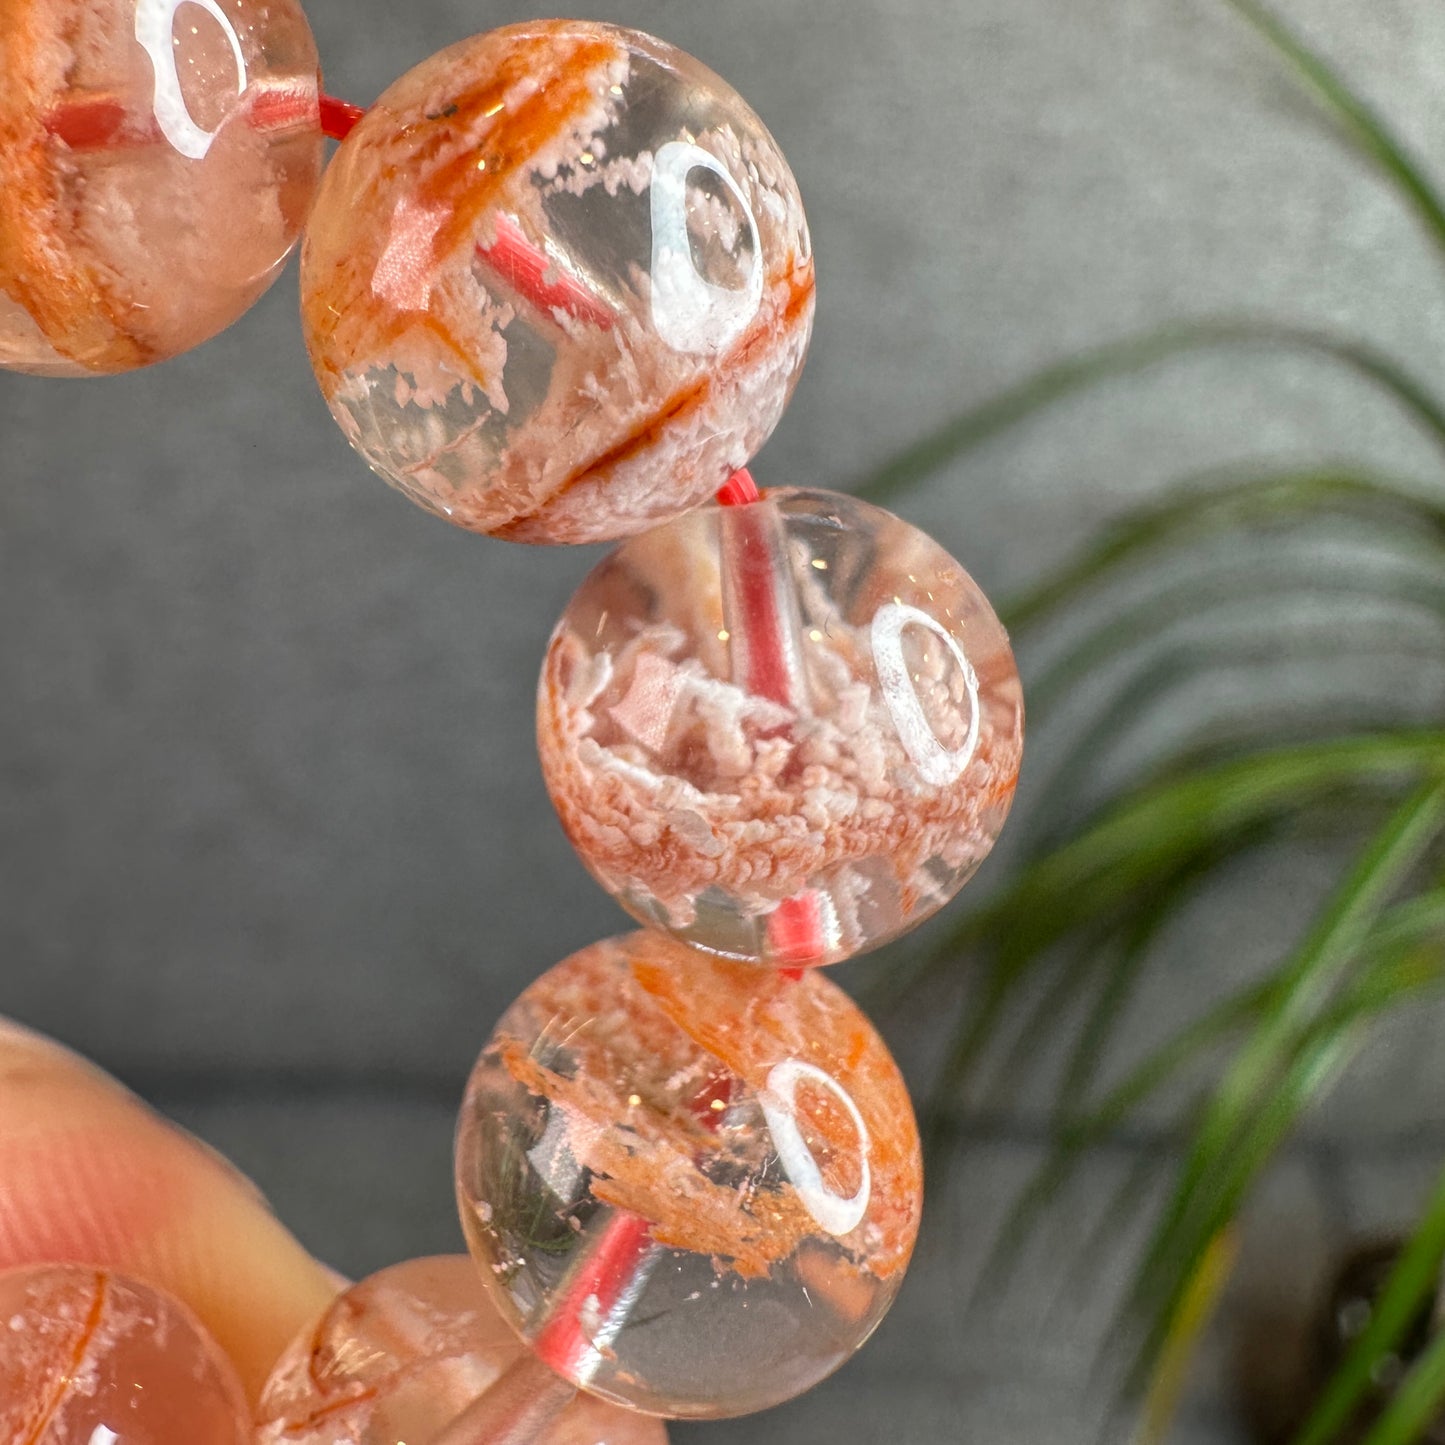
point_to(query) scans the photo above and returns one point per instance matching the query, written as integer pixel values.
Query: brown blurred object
(1284, 1370)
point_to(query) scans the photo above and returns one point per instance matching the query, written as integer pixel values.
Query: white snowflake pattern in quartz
(558, 283)
(692, 1186)
(90, 1357)
(787, 731)
(402, 1354)
(159, 159)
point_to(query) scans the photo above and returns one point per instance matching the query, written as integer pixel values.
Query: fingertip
(90, 1174)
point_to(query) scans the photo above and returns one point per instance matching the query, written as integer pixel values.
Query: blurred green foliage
(1063, 945)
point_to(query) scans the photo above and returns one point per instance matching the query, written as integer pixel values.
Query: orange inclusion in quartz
(347, 335)
(85, 1354)
(675, 1011)
(118, 246)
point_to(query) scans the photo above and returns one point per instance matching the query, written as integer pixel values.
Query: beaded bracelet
(556, 287)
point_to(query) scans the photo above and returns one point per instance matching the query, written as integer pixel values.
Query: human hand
(89, 1174)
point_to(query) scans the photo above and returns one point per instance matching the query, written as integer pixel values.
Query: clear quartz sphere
(787, 731)
(558, 283)
(693, 1185)
(402, 1354)
(159, 158)
(88, 1357)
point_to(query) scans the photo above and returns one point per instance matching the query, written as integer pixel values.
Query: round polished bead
(693, 1186)
(785, 731)
(158, 159)
(402, 1354)
(558, 283)
(88, 1357)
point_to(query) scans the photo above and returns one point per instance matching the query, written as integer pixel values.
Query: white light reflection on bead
(690, 313)
(837, 1214)
(936, 764)
(154, 20)
(103, 1435)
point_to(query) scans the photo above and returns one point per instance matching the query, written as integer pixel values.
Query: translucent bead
(158, 159)
(695, 1186)
(402, 1354)
(788, 731)
(91, 1358)
(558, 283)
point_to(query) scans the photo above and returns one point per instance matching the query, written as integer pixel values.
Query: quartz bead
(693, 1185)
(88, 1357)
(159, 158)
(787, 731)
(400, 1355)
(558, 283)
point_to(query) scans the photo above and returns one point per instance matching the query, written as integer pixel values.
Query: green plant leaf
(1198, 1304)
(1214, 1201)
(1150, 835)
(1407, 956)
(1138, 937)
(1412, 1281)
(1282, 1064)
(1056, 801)
(1369, 133)
(1197, 511)
(1159, 828)
(1417, 1403)
(1413, 922)
(1130, 631)
(1132, 354)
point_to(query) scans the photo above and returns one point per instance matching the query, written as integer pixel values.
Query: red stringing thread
(528, 269)
(738, 490)
(795, 928)
(339, 117)
(600, 1283)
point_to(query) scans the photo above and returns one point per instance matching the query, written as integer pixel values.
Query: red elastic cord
(531, 271)
(795, 927)
(339, 117)
(738, 490)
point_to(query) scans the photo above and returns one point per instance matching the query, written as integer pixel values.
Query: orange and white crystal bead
(693, 1186)
(787, 731)
(158, 160)
(88, 1357)
(558, 283)
(402, 1354)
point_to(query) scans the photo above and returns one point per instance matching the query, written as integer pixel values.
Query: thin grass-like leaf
(1198, 1304)
(1361, 123)
(1077, 1134)
(1418, 1402)
(1201, 510)
(1132, 354)
(1077, 1128)
(1127, 1201)
(1412, 1282)
(1327, 953)
(1144, 927)
(1279, 1069)
(1400, 978)
(1072, 977)
(1158, 829)
(1320, 1059)
(1120, 634)
(1398, 971)
(1116, 956)
(1413, 922)
(1056, 802)
(1149, 836)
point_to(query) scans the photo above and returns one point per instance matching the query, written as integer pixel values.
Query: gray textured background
(273, 842)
